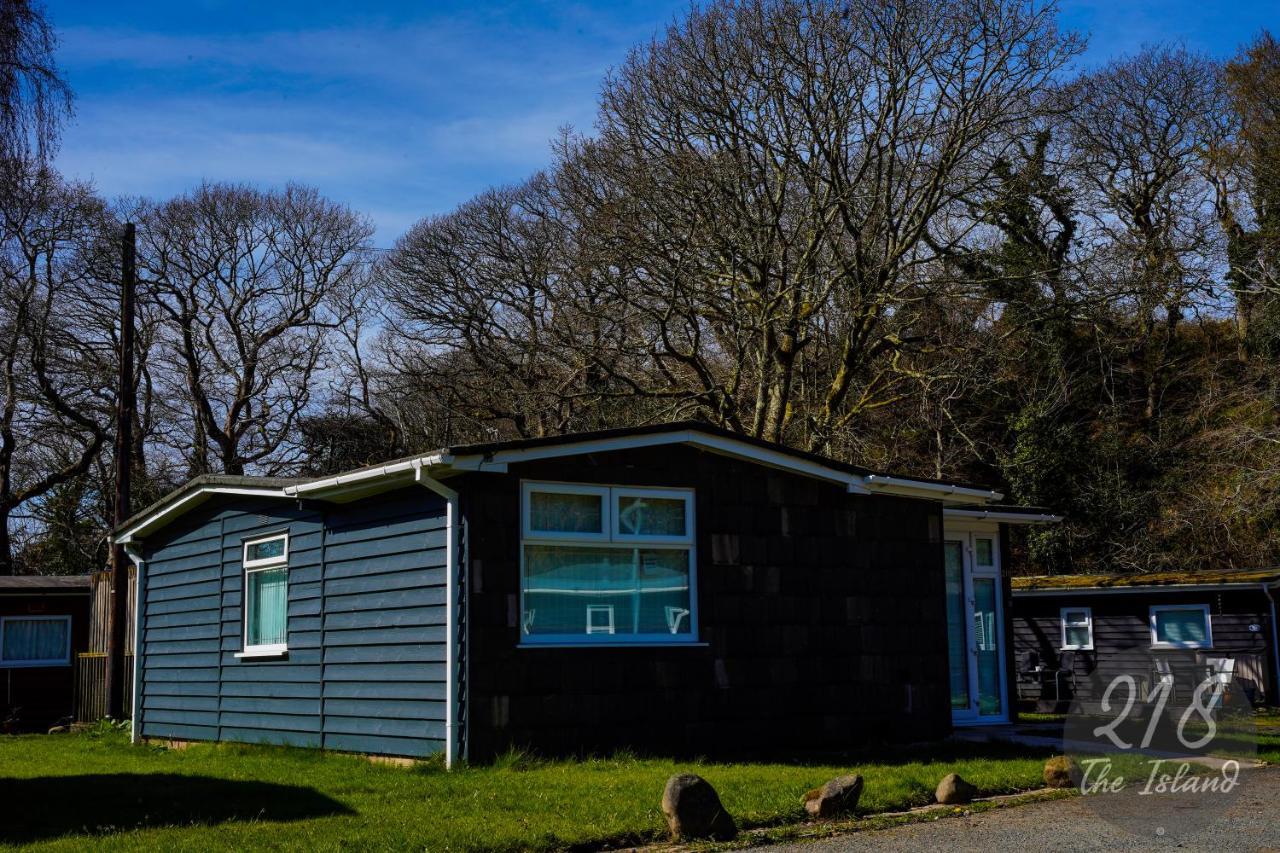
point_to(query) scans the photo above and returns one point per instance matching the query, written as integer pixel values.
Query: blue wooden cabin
(667, 588)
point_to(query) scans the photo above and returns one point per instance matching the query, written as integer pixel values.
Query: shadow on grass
(55, 806)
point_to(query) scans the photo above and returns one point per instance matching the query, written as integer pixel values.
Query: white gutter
(452, 521)
(135, 718)
(1006, 517)
(364, 474)
(887, 483)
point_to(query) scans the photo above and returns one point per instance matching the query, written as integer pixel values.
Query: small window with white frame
(1181, 626)
(35, 641)
(1077, 629)
(266, 595)
(603, 564)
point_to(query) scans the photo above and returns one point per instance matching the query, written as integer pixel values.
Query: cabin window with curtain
(1181, 626)
(35, 641)
(606, 565)
(1077, 629)
(266, 595)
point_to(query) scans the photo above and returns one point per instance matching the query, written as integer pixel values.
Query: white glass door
(975, 628)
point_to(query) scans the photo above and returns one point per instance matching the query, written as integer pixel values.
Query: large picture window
(607, 565)
(1181, 626)
(35, 641)
(266, 595)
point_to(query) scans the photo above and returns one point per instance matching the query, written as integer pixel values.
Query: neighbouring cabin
(1173, 625)
(671, 589)
(44, 622)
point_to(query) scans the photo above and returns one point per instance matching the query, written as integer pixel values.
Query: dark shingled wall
(822, 613)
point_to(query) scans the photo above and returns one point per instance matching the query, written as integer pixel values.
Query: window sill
(691, 645)
(261, 654)
(39, 664)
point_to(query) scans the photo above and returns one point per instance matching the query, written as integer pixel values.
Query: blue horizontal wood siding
(366, 631)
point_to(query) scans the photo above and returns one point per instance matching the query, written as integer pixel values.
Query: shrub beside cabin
(673, 588)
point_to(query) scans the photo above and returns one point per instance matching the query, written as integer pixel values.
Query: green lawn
(62, 791)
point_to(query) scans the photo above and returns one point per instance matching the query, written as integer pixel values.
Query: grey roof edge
(202, 481)
(44, 583)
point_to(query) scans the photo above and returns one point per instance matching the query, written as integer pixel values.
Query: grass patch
(62, 791)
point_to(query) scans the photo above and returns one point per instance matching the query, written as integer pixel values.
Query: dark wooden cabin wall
(1122, 633)
(822, 616)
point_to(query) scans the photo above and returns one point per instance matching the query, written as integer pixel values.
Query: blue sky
(404, 109)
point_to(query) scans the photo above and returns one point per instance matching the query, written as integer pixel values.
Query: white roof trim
(1006, 517)
(342, 481)
(189, 501)
(904, 485)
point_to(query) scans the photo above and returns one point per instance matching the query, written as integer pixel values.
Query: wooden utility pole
(125, 402)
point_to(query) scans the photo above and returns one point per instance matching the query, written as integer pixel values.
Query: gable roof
(1136, 583)
(497, 455)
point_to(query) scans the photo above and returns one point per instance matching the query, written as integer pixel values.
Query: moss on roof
(1149, 579)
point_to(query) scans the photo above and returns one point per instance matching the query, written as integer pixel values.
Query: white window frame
(526, 512)
(65, 660)
(1088, 625)
(266, 562)
(611, 538)
(250, 567)
(615, 499)
(1156, 643)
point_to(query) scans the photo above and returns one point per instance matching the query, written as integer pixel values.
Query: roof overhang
(1145, 589)
(1002, 516)
(352, 485)
(182, 502)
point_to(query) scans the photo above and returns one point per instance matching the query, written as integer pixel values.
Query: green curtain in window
(35, 640)
(268, 602)
(1182, 627)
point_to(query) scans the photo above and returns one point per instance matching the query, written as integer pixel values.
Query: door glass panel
(957, 647)
(986, 634)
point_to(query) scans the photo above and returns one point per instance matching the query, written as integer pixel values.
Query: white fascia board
(714, 443)
(189, 501)
(1005, 517)
(937, 491)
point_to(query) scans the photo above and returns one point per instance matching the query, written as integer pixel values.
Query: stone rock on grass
(1061, 772)
(953, 790)
(837, 797)
(693, 809)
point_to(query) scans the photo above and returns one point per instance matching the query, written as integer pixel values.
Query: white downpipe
(450, 594)
(135, 718)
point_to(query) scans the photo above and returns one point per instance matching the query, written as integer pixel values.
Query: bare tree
(249, 285)
(56, 353)
(34, 97)
(1141, 128)
(767, 174)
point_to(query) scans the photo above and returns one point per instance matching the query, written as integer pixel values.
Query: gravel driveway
(1071, 825)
